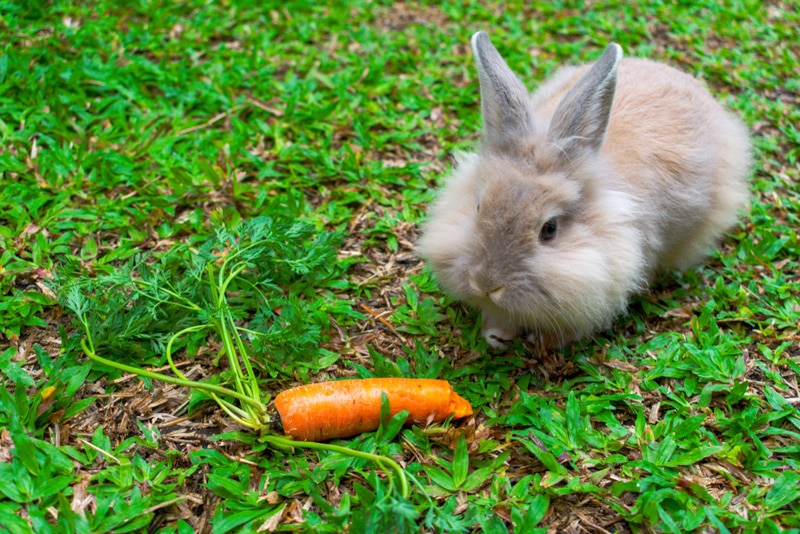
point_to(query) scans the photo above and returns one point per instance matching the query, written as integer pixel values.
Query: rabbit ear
(581, 118)
(505, 104)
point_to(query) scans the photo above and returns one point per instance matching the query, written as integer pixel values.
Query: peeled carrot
(339, 409)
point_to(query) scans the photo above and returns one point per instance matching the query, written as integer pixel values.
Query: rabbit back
(675, 149)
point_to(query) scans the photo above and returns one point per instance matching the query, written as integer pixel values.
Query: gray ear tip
(479, 39)
(479, 35)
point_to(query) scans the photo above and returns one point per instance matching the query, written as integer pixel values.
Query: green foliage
(40, 477)
(27, 404)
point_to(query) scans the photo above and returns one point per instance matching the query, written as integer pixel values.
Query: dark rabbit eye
(549, 230)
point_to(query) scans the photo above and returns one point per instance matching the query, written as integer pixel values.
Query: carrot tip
(461, 406)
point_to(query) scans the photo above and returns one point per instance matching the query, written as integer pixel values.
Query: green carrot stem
(250, 385)
(211, 388)
(383, 461)
(223, 322)
(228, 279)
(250, 378)
(168, 351)
(230, 352)
(251, 421)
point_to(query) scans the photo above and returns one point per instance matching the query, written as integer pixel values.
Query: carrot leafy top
(188, 298)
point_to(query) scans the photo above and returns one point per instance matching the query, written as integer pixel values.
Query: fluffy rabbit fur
(581, 192)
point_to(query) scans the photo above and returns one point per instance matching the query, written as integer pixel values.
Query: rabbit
(579, 194)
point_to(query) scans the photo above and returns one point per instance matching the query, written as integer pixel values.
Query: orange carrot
(328, 410)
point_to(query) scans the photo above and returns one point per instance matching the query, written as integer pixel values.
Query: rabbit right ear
(505, 104)
(580, 121)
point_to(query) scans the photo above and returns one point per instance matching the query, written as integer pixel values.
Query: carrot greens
(207, 294)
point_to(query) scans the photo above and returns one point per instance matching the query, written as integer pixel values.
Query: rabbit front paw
(496, 333)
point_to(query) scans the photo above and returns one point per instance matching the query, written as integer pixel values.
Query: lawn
(151, 149)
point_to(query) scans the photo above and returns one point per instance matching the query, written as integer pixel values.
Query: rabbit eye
(549, 230)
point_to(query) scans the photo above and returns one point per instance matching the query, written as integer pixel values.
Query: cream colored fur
(637, 164)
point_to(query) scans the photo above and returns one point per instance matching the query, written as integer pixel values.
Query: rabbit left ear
(580, 121)
(505, 103)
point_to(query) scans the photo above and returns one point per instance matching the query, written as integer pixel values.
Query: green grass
(132, 133)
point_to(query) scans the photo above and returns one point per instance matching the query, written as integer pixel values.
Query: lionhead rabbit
(580, 193)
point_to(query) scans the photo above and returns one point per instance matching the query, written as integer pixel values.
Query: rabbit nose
(496, 294)
(486, 288)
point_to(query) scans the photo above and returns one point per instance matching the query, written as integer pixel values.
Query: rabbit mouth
(516, 299)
